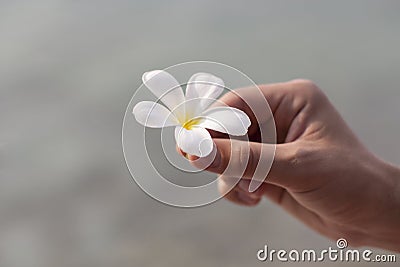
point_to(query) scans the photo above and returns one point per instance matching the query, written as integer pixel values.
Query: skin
(321, 173)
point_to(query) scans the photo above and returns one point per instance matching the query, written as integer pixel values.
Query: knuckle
(304, 83)
(310, 90)
(299, 156)
(292, 159)
(306, 86)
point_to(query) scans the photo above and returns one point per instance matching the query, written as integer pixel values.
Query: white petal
(196, 141)
(228, 120)
(205, 87)
(153, 115)
(165, 87)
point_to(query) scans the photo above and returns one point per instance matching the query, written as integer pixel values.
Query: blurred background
(68, 70)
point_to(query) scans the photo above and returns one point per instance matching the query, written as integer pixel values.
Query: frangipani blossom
(189, 113)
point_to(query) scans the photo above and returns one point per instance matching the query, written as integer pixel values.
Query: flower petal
(206, 88)
(165, 87)
(196, 141)
(152, 114)
(228, 120)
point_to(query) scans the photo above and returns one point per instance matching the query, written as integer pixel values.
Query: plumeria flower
(189, 113)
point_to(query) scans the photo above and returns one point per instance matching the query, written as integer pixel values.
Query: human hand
(321, 173)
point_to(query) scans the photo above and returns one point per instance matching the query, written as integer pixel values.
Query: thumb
(250, 160)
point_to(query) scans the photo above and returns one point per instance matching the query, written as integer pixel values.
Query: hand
(321, 173)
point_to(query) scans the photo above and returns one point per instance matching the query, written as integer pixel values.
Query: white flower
(189, 112)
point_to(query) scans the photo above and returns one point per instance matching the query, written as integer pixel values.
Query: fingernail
(206, 162)
(192, 157)
(181, 152)
(247, 198)
(244, 185)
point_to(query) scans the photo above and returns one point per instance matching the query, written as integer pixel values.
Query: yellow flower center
(188, 125)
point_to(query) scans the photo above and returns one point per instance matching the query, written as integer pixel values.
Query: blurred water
(69, 68)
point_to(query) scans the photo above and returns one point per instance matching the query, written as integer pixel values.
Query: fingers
(285, 100)
(284, 199)
(273, 93)
(233, 190)
(251, 160)
(252, 102)
(280, 196)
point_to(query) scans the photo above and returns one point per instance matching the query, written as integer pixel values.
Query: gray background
(68, 70)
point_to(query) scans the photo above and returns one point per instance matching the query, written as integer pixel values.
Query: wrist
(385, 208)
